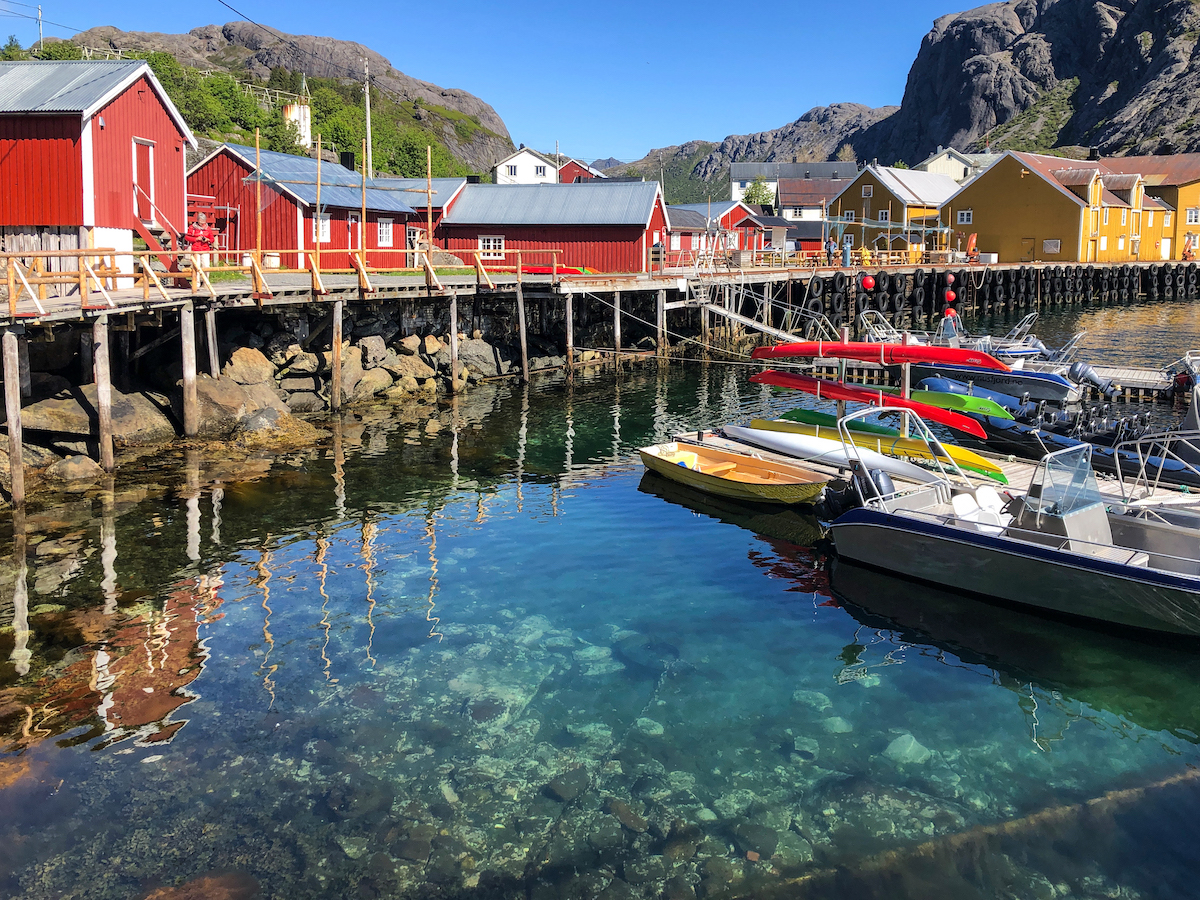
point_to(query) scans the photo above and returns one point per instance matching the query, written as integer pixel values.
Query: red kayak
(855, 393)
(884, 354)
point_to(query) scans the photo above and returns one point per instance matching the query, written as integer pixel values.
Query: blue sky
(612, 83)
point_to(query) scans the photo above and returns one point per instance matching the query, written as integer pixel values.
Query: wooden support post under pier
(85, 358)
(453, 340)
(660, 321)
(335, 381)
(191, 404)
(23, 359)
(617, 327)
(210, 334)
(521, 330)
(569, 317)
(101, 371)
(12, 409)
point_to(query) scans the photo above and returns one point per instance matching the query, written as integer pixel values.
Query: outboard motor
(1038, 345)
(1082, 373)
(880, 481)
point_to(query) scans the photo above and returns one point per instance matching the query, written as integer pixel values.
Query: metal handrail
(1150, 446)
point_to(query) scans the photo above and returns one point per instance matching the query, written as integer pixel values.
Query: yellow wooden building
(891, 209)
(1029, 207)
(1175, 181)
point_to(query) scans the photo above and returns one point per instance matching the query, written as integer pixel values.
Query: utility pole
(557, 165)
(39, 28)
(367, 92)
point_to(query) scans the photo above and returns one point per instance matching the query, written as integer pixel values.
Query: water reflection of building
(130, 686)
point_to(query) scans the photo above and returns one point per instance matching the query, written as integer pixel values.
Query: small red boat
(855, 393)
(884, 354)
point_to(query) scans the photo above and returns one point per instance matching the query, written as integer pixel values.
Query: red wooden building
(602, 225)
(573, 170)
(735, 219)
(90, 151)
(413, 191)
(226, 181)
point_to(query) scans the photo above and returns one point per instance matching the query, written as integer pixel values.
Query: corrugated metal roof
(297, 175)
(76, 86)
(681, 219)
(745, 171)
(809, 191)
(1075, 177)
(1121, 182)
(593, 203)
(1149, 202)
(1182, 168)
(1045, 167)
(43, 86)
(716, 209)
(1108, 198)
(412, 190)
(916, 188)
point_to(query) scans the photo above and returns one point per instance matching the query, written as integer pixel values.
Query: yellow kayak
(901, 447)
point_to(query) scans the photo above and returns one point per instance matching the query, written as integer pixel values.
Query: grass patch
(1037, 128)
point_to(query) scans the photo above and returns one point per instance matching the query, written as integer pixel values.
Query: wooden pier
(103, 291)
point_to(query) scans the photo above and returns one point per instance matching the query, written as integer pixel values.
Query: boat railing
(866, 487)
(1152, 452)
(1021, 329)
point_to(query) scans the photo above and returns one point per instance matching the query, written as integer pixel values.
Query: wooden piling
(521, 328)
(101, 372)
(617, 324)
(12, 409)
(569, 316)
(85, 358)
(191, 403)
(210, 334)
(453, 340)
(335, 381)
(660, 319)
(23, 360)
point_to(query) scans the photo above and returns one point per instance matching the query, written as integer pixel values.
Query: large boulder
(300, 383)
(282, 348)
(480, 357)
(399, 366)
(352, 372)
(223, 403)
(263, 396)
(137, 421)
(74, 468)
(409, 345)
(374, 351)
(305, 402)
(431, 345)
(373, 381)
(248, 366)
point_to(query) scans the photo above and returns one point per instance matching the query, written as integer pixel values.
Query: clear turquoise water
(494, 659)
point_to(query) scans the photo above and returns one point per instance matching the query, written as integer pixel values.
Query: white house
(525, 167)
(958, 165)
(742, 175)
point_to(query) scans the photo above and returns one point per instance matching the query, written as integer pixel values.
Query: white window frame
(1193, 215)
(1124, 216)
(848, 216)
(1051, 247)
(383, 235)
(1166, 220)
(539, 171)
(324, 220)
(1105, 217)
(1149, 218)
(884, 215)
(966, 216)
(1104, 242)
(512, 171)
(676, 240)
(1120, 242)
(868, 190)
(491, 246)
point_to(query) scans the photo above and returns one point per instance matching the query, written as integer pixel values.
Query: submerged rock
(837, 725)
(569, 785)
(906, 749)
(137, 421)
(624, 814)
(74, 468)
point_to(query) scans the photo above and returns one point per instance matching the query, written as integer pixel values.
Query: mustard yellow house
(1175, 182)
(1029, 207)
(891, 209)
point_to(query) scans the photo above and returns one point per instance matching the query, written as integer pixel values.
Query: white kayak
(823, 450)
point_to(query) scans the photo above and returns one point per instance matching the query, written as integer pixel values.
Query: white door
(1166, 248)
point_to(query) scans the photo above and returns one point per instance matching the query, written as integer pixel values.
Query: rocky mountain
(1119, 75)
(245, 48)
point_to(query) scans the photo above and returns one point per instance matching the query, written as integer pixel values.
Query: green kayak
(958, 402)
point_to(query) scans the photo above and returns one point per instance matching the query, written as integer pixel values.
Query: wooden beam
(521, 331)
(12, 408)
(335, 381)
(103, 378)
(154, 344)
(191, 403)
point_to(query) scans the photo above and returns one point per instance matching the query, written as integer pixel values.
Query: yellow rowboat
(900, 447)
(730, 474)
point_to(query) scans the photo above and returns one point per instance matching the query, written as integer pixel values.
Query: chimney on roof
(940, 148)
(796, 159)
(521, 147)
(806, 174)
(1093, 154)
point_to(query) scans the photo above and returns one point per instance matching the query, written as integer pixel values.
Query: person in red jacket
(200, 238)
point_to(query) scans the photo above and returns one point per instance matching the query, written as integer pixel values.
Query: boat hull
(830, 453)
(1039, 385)
(1023, 574)
(788, 493)
(884, 354)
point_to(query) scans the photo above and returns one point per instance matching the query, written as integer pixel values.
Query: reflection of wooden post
(521, 325)
(102, 374)
(339, 468)
(569, 315)
(335, 381)
(191, 404)
(210, 331)
(108, 547)
(12, 408)
(21, 654)
(193, 505)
